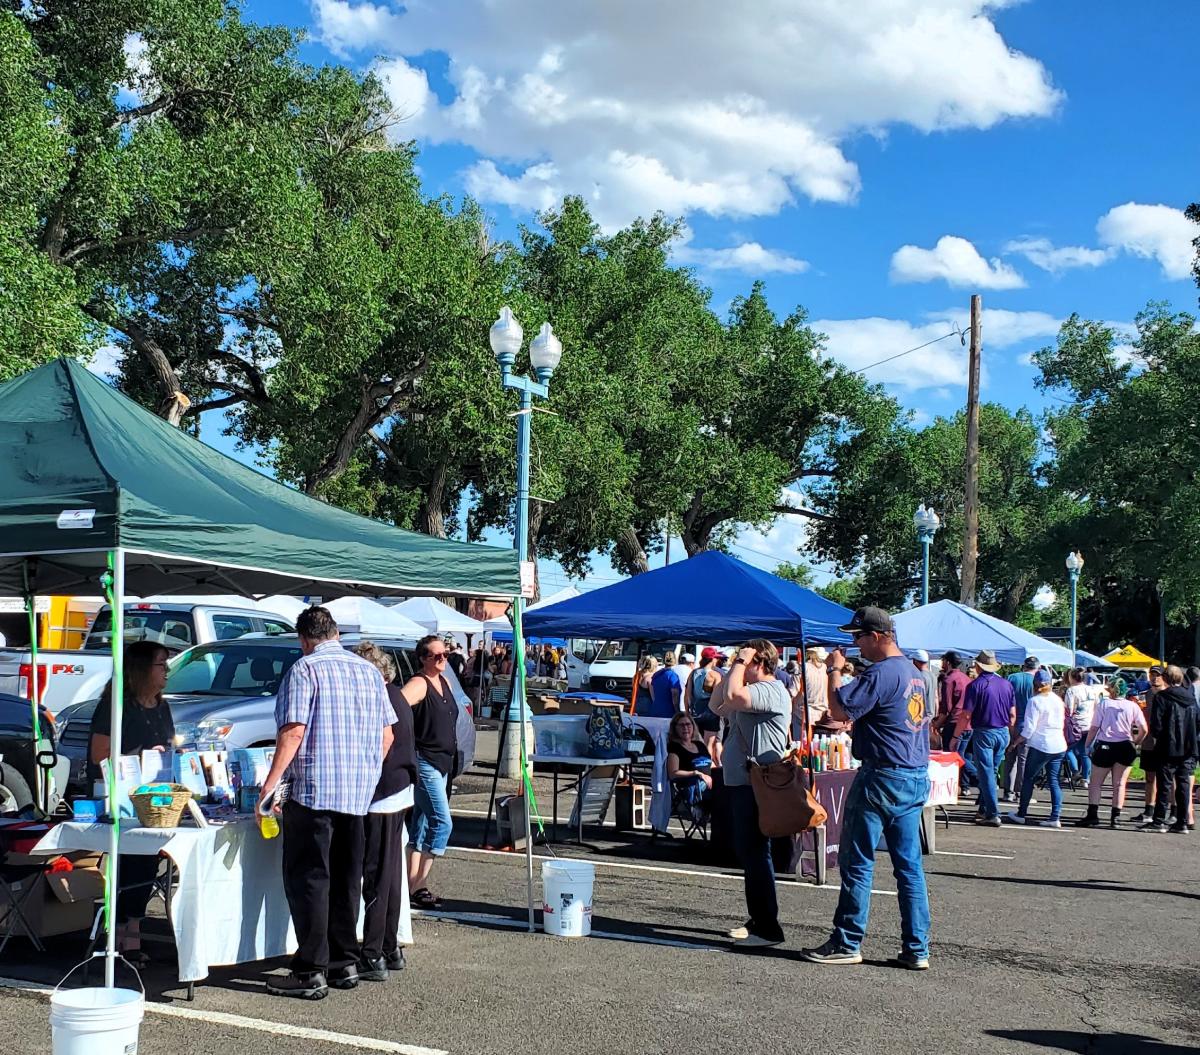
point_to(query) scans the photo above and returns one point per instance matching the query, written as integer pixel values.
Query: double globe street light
(926, 521)
(545, 351)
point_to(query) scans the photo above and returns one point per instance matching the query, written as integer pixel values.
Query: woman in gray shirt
(758, 709)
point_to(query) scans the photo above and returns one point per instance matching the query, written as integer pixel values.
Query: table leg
(820, 867)
(580, 790)
(191, 991)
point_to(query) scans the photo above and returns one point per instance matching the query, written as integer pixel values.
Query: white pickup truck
(68, 677)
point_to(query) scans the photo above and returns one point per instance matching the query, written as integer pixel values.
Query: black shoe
(395, 960)
(424, 898)
(1091, 819)
(308, 986)
(1178, 829)
(373, 970)
(344, 977)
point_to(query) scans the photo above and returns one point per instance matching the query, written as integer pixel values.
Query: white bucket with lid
(566, 898)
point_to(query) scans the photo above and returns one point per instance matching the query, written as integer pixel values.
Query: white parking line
(959, 853)
(261, 1025)
(733, 878)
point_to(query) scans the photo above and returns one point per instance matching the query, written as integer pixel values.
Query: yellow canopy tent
(1130, 657)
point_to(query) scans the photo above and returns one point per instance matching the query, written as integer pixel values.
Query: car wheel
(14, 791)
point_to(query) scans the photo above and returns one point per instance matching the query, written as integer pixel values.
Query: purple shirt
(989, 701)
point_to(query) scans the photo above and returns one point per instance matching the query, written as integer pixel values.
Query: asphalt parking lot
(1044, 941)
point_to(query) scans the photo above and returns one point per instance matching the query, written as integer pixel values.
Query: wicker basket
(162, 816)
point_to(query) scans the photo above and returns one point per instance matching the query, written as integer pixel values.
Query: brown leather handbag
(786, 805)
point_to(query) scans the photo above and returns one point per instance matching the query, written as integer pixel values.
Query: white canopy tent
(438, 618)
(364, 616)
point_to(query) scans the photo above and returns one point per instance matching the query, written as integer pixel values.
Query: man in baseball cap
(920, 660)
(887, 705)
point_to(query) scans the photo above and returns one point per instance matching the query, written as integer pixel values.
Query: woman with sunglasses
(146, 725)
(435, 717)
(689, 766)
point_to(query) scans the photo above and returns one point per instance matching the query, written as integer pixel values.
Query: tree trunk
(631, 552)
(697, 536)
(1013, 597)
(431, 517)
(172, 402)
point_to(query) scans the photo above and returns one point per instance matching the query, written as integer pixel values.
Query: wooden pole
(970, 553)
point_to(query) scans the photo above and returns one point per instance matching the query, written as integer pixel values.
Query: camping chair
(681, 810)
(16, 839)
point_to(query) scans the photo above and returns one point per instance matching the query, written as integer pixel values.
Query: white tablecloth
(660, 793)
(229, 906)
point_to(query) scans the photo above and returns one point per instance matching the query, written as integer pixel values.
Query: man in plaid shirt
(335, 727)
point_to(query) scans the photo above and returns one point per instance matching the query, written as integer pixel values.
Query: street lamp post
(1074, 564)
(926, 521)
(545, 350)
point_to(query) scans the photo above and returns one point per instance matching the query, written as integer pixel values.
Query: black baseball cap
(869, 620)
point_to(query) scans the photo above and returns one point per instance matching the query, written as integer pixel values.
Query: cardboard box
(62, 902)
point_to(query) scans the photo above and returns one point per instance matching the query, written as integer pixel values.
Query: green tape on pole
(110, 867)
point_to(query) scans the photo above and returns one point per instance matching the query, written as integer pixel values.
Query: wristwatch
(737, 659)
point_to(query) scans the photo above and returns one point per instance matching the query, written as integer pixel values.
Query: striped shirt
(342, 702)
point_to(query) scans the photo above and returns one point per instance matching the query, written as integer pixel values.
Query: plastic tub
(96, 1021)
(566, 898)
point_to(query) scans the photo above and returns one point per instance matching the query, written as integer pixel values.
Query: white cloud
(1041, 252)
(1044, 598)
(1153, 231)
(786, 539)
(407, 87)
(700, 105)
(857, 343)
(752, 258)
(106, 362)
(535, 189)
(957, 262)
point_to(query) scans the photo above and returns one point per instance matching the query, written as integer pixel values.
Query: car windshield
(630, 649)
(231, 669)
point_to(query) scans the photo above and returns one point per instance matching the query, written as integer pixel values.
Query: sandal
(424, 898)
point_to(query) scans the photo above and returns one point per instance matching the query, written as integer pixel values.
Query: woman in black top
(383, 857)
(689, 765)
(435, 716)
(146, 725)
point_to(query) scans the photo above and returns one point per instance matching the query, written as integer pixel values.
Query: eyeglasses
(437, 657)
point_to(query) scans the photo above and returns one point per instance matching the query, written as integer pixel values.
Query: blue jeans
(887, 801)
(754, 853)
(967, 776)
(429, 824)
(1078, 759)
(988, 747)
(1034, 764)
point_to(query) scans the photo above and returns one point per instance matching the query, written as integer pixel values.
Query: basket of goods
(160, 805)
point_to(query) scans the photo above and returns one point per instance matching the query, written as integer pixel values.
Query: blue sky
(876, 162)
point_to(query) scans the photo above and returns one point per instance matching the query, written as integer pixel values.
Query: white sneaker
(1012, 817)
(1050, 822)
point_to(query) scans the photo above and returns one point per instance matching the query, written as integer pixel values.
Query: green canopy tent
(95, 488)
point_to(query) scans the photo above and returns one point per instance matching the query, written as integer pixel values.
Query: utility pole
(970, 553)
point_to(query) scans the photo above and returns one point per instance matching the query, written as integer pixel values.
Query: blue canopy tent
(503, 637)
(711, 597)
(1092, 662)
(945, 626)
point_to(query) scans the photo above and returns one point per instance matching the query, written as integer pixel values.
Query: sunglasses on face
(437, 657)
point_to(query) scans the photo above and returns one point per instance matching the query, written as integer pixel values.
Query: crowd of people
(1027, 728)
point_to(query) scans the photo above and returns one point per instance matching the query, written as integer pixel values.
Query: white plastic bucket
(566, 898)
(96, 1021)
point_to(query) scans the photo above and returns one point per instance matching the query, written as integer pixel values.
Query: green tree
(870, 504)
(800, 574)
(1127, 444)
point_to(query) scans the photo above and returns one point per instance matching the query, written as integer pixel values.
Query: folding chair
(17, 839)
(681, 810)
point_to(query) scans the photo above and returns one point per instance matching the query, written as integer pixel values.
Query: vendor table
(585, 766)
(229, 906)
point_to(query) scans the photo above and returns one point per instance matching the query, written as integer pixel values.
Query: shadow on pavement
(1072, 884)
(1091, 1043)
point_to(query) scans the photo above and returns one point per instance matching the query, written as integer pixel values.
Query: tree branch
(804, 512)
(246, 315)
(145, 110)
(92, 245)
(173, 403)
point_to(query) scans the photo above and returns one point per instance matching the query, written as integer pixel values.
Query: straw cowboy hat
(986, 660)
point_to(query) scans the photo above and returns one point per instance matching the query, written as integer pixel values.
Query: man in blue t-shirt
(886, 703)
(1014, 758)
(666, 691)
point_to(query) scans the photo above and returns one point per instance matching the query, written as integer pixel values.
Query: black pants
(322, 877)
(383, 882)
(1172, 778)
(754, 854)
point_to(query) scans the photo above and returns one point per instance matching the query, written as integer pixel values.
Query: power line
(900, 355)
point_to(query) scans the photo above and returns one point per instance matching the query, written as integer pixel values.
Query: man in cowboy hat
(991, 706)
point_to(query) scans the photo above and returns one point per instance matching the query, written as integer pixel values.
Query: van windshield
(630, 649)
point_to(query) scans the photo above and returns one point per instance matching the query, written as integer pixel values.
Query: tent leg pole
(41, 797)
(487, 825)
(117, 603)
(526, 773)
